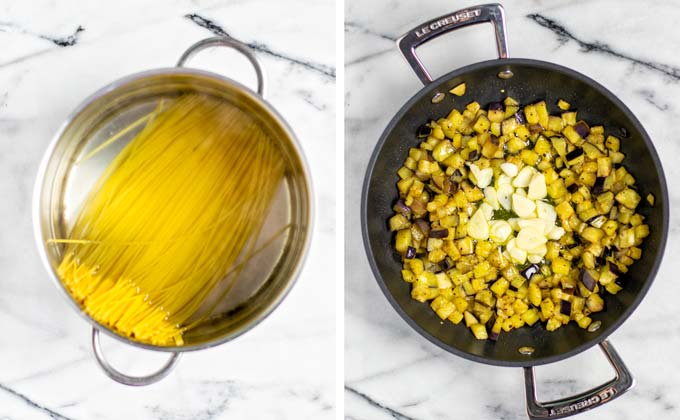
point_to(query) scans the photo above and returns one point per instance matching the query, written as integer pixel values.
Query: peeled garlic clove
(535, 259)
(514, 223)
(482, 177)
(500, 231)
(503, 180)
(504, 194)
(486, 210)
(522, 206)
(530, 238)
(540, 251)
(556, 233)
(485, 177)
(523, 177)
(547, 213)
(491, 197)
(474, 173)
(477, 227)
(518, 255)
(537, 187)
(510, 169)
(533, 223)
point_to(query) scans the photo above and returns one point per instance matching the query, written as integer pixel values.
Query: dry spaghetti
(170, 218)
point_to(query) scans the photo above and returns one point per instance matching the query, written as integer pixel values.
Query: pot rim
(502, 64)
(273, 113)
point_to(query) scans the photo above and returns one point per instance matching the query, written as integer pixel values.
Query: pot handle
(622, 382)
(124, 379)
(226, 41)
(419, 35)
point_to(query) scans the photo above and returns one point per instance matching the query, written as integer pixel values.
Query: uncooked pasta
(175, 214)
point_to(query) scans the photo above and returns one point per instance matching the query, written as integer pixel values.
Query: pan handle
(229, 42)
(622, 382)
(124, 379)
(419, 35)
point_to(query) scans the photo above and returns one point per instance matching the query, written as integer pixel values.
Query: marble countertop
(54, 55)
(391, 371)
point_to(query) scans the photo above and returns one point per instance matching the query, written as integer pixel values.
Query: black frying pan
(527, 81)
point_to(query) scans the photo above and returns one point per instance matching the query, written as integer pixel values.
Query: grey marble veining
(391, 371)
(54, 55)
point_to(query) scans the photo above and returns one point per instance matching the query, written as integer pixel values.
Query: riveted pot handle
(579, 403)
(228, 42)
(124, 379)
(419, 35)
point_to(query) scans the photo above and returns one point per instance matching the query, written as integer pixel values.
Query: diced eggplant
(402, 208)
(445, 264)
(422, 176)
(592, 194)
(597, 221)
(598, 188)
(424, 131)
(565, 307)
(474, 155)
(595, 303)
(582, 129)
(457, 177)
(535, 128)
(448, 186)
(615, 269)
(530, 271)
(574, 154)
(587, 279)
(568, 289)
(496, 106)
(650, 199)
(572, 188)
(399, 222)
(439, 233)
(458, 90)
(418, 207)
(423, 226)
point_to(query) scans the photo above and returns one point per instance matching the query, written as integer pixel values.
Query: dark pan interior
(533, 81)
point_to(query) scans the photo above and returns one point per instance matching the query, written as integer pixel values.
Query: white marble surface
(391, 372)
(284, 368)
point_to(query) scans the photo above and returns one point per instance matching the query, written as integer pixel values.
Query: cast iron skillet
(527, 81)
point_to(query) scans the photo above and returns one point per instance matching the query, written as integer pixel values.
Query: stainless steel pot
(63, 182)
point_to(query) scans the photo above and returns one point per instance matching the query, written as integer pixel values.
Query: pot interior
(67, 178)
(533, 81)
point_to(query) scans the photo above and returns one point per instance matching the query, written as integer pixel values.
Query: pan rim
(551, 67)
